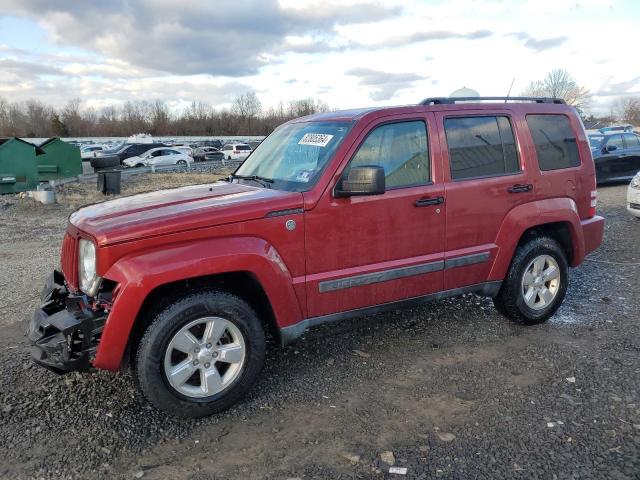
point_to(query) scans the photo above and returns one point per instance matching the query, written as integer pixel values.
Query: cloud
(544, 43)
(386, 84)
(26, 70)
(426, 36)
(226, 37)
(626, 87)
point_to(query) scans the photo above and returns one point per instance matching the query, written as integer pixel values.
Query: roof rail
(453, 100)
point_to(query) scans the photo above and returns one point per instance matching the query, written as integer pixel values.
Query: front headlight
(635, 182)
(89, 281)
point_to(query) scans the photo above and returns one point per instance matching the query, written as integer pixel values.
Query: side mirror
(611, 148)
(358, 181)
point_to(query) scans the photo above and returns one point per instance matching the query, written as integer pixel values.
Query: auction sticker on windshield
(315, 139)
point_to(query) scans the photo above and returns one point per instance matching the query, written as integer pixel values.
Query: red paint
(149, 240)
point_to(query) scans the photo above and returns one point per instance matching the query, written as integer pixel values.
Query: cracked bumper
(64, 332)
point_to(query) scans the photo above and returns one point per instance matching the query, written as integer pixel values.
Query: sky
(347, 53)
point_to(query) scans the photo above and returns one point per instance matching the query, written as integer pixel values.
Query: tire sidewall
(150, 356)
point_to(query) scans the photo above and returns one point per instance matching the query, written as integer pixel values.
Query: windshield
(294, 155)
(595, 141)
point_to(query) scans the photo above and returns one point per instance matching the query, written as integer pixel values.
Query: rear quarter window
(555, 141)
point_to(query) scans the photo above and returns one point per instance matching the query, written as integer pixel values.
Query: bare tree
(34, 118)
(560, 84)
(628, 110)
(247, 105)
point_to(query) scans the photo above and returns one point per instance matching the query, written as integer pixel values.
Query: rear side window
(632, 141)
(555, 141)
(481, 147)
(243, 147)
(401, 149)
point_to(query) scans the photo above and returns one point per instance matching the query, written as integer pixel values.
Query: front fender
(140, 273)
(528, 215)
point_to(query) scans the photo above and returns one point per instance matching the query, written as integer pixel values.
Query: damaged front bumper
(64, 332)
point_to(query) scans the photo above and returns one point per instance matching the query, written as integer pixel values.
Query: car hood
(132, 160)
(177, 210)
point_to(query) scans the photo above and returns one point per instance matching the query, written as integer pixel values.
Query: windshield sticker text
(315, 139)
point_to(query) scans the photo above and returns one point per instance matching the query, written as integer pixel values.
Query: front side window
(615, 141)
(556, 145)
(481, 147)
(401, 149)
(295, 155)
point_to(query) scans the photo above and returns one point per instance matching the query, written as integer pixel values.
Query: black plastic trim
(466, 260)
(281, 213)
(454, 100)
(376, 277)
(401, 272)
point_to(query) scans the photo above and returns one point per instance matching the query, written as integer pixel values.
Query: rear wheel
(200, 355)
(182, 162)
(536, 283)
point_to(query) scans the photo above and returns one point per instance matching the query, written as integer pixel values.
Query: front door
(371, 250)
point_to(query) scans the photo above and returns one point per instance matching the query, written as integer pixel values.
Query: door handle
(520, 188)
(425, 202)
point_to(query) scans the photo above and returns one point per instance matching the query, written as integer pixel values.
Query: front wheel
(536, 283)
(182, 163)
(200, 355)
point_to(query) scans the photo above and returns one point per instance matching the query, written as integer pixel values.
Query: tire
(181, 162)
(152, 361)
(139, 165)
(228, 157)
(533, 308)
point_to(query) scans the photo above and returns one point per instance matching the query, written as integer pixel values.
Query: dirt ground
(448, 390)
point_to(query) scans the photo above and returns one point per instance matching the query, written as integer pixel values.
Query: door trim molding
(401, 272)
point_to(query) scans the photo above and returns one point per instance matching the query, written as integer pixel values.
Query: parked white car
(157, 157)
(89, 151)
(185, 149)
(633, 196)
(235, 151)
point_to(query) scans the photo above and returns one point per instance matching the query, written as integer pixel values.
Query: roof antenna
(509, 92)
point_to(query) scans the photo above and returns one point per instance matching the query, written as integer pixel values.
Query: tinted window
(480, 147)
(401, 149)
(555, 141)
(243, 147)
(631, 141)
(226, 147)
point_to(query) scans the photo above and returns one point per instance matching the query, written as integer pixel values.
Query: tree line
(33, 118)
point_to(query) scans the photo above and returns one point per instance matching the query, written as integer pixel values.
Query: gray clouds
(228, 37)
(385, 85)
(540, 44)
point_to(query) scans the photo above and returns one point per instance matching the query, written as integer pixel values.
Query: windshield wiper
(264, 181)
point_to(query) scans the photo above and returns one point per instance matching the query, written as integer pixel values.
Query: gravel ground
(447, 390)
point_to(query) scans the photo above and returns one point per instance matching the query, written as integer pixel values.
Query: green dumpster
(60, 160)
(18, 166)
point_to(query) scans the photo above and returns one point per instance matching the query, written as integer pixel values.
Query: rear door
(609, 163)
(485, 180)
(631, 154)
(370, 250)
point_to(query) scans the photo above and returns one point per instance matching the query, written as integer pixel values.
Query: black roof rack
(453, 100)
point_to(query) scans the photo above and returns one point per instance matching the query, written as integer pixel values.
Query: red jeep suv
(334, 215)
